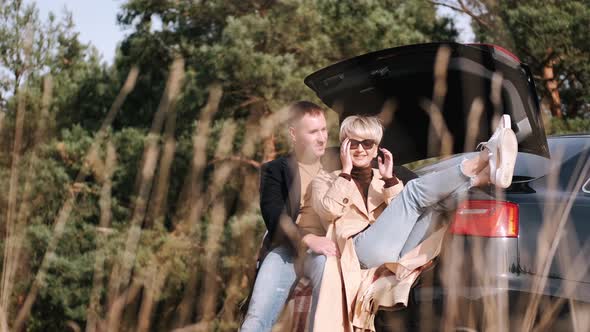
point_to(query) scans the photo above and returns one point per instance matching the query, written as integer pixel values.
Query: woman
(370, 226)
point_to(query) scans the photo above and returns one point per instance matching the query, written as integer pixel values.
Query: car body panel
(557, 206)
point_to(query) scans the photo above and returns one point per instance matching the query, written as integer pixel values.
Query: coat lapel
(375, 195)
(359, 202)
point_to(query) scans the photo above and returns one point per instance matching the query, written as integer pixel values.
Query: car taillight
(498, 48)
(486, 218)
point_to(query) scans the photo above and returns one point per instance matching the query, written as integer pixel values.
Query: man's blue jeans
(271, 290)
(272, 286)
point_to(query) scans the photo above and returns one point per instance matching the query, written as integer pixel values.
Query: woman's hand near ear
(345, 156)
(385, 166)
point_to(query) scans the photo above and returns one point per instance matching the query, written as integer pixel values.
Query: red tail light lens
(500, 49)
(486, 218)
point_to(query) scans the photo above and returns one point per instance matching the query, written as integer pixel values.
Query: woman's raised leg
(383, 241)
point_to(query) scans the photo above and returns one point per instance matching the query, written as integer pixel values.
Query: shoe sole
(507, 154)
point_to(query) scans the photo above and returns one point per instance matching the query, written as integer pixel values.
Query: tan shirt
(307, 173)
(308, 220)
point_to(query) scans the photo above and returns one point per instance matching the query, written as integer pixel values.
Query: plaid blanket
(302, 304)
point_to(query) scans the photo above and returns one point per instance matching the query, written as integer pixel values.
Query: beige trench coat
(349, 297)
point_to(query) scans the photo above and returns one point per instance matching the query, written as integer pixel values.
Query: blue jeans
(271, 290)
(393, 232)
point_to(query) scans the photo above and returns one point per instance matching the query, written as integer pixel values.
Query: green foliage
(542, 32)
(261, 51)
(568, 126)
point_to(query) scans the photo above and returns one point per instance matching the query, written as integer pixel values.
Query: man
(284, 183)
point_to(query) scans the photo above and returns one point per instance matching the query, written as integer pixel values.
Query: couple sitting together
(350, 227)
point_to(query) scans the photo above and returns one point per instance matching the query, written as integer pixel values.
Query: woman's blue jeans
(384, 240)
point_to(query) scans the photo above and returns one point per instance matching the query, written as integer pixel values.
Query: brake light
(486, 218)
(500, 49)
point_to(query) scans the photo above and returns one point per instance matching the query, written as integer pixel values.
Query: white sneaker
(502, 147)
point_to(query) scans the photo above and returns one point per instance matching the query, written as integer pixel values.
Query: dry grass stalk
(94, 309)
(189, 210)
(3, 321)
(14, 238)
(191, 200)
(9, 262)
(116, 308)
(387, 114)
(15, 242)
(440, 140)
(158, 201)
(485, 260)
(496, 307)
(243, 226)
(544, 237)
(451, 278)
(439, 137)
(2, 117)
(473, 120)
(121, 273)
(73, 326)
(64, 212)
(496, 98)
(14, 228)
(574, 267)
(156, 275)
(218, 215)
(245, 251)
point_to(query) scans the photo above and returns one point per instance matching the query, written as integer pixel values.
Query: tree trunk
(552, 86)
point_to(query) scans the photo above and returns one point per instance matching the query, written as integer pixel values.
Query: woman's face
(361, 151)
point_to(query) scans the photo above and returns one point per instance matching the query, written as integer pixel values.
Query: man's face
(310, 135)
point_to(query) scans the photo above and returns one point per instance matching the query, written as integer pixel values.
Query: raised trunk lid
(402, 79)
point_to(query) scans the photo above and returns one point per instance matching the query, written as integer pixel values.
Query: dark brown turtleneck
(362, 178)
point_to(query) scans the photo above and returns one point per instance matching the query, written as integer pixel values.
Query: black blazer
(280, 195)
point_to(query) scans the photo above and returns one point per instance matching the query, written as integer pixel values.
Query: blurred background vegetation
(95, 237)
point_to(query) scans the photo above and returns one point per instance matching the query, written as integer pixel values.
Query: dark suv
(514, 259)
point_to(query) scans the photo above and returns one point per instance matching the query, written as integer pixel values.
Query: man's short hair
(297, 111)
(366, 127)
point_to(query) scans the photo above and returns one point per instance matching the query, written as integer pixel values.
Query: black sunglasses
(367, 144)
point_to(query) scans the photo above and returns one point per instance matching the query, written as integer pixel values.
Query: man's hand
(321, 245)
(385, 166)
(345, 156)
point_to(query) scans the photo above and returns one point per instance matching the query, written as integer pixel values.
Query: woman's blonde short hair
(366, 127)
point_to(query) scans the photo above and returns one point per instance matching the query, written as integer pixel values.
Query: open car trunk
(402, 79)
